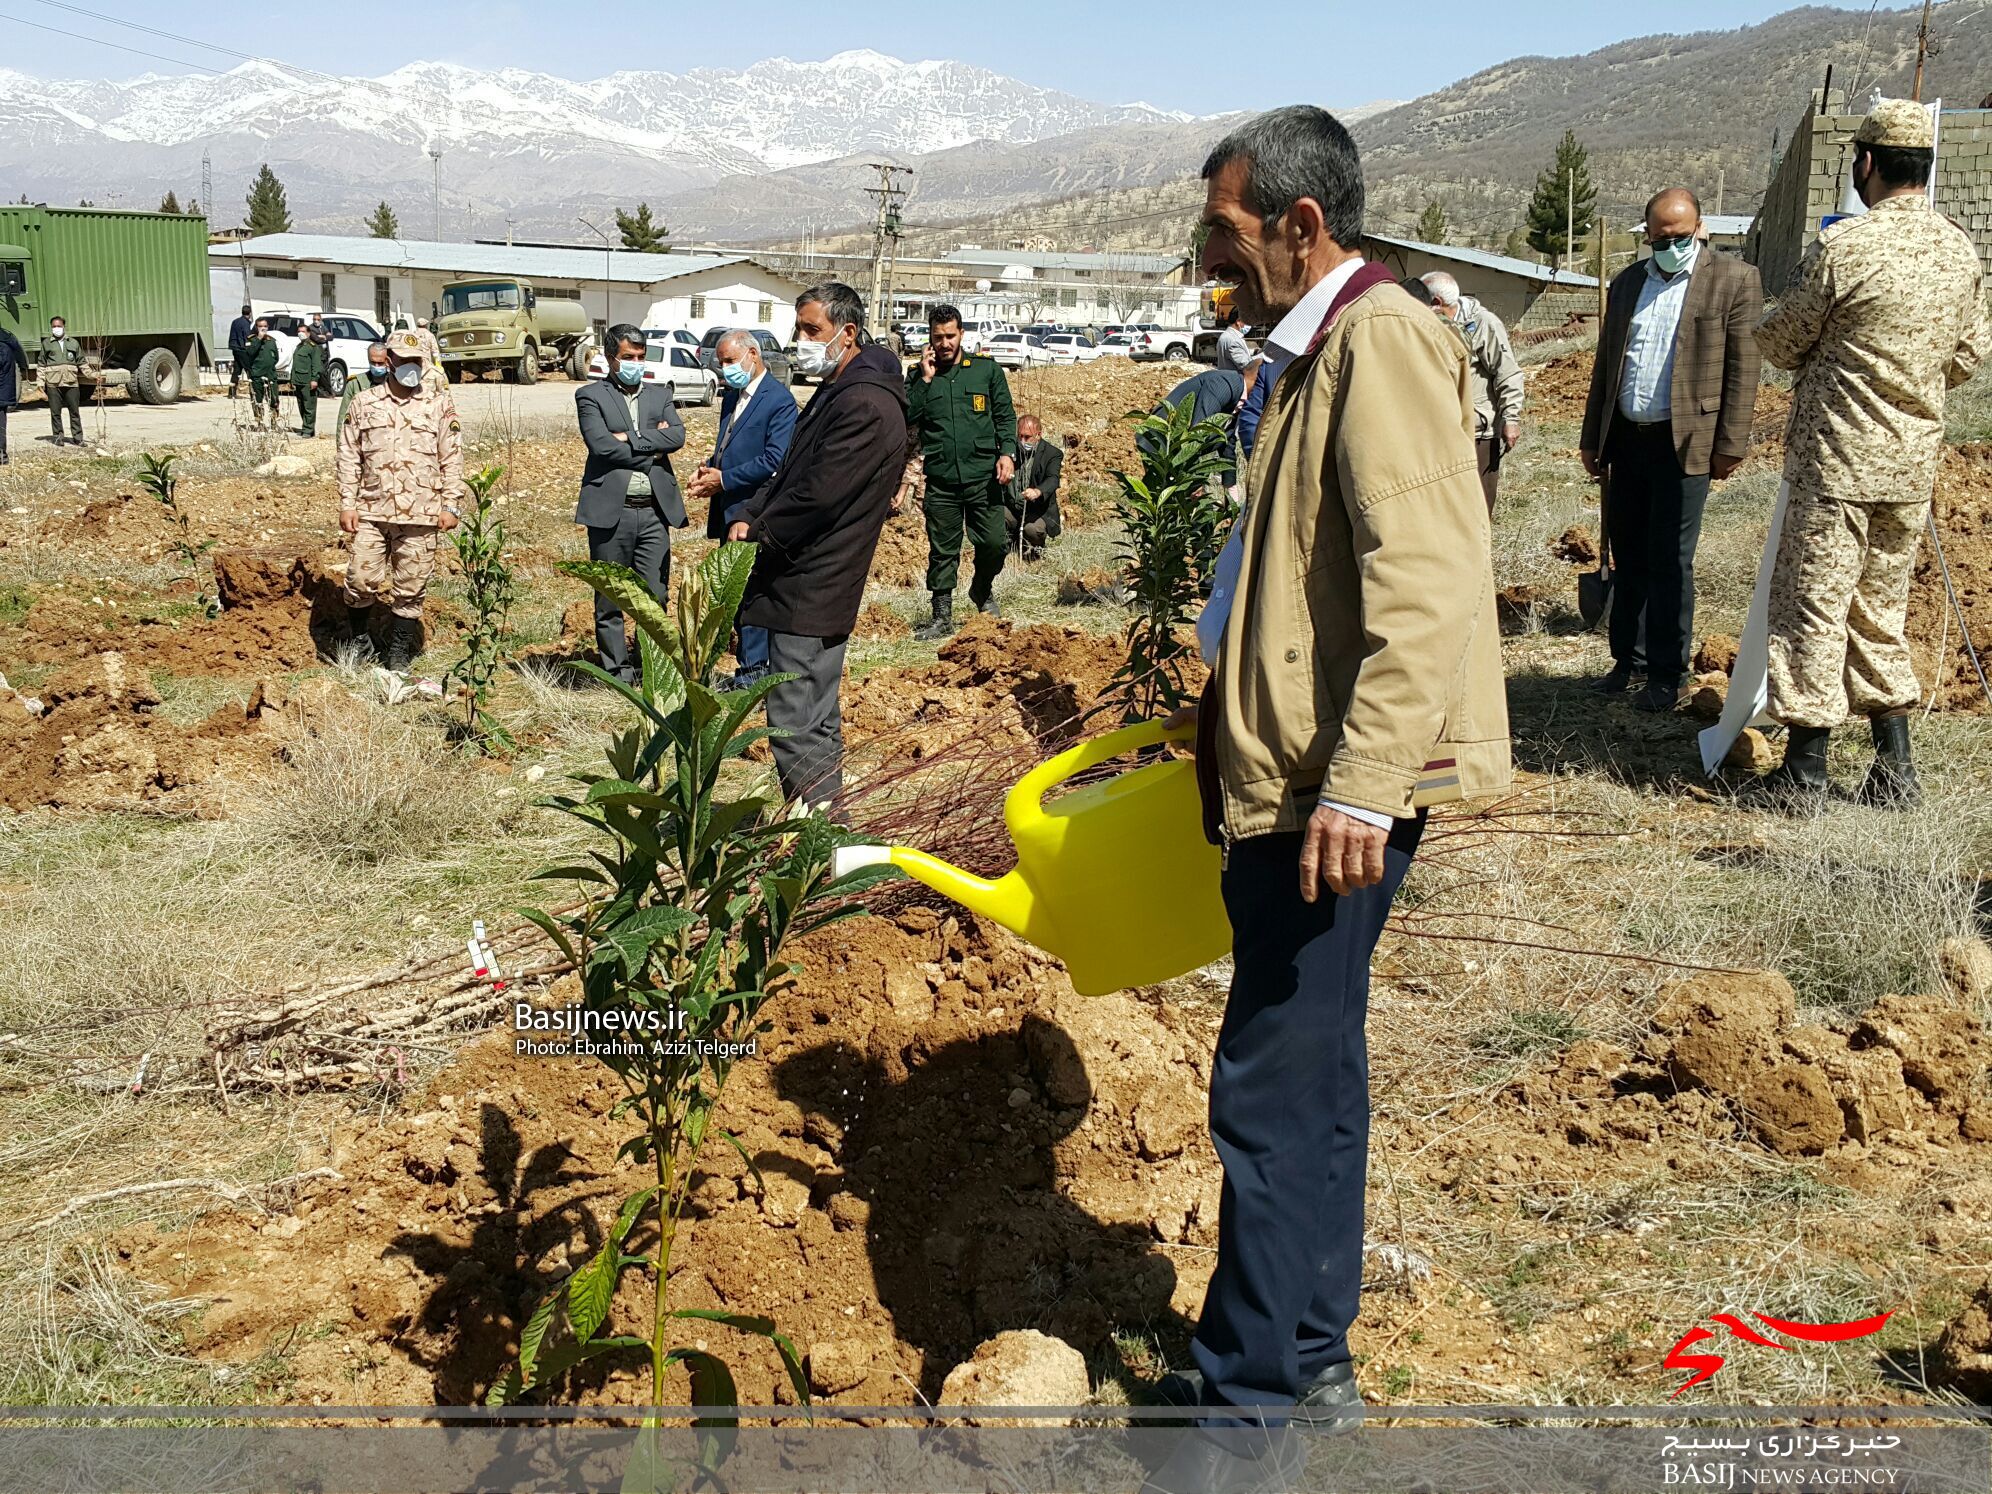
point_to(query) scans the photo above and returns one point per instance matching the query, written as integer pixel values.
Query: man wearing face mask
(61, 378)
(377, 370)
(629, 495)
(816, 524)
(1673, 391)
(756, 422)
(400, 469)
(1888, 317)
(1031, 502)
(966, 434)
(262, 372)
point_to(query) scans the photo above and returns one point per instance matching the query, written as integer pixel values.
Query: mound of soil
(1558, 387)
(281, 611)
(99, 746)
(994, 681)
(881, 623)
(949, 1145)
(1963, 510)
(1096, 586)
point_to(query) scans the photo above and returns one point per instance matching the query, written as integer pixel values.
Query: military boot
(1799, 784)
(403, 644)
(1891, 780)
(363, 650)
(941, 623)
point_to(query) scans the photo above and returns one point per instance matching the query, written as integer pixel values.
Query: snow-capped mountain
(512, 141)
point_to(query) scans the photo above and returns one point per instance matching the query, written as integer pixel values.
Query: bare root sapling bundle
(692, 896)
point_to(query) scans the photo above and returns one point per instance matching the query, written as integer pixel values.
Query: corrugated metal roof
(1728, 223)
(1502, 264)
(479, 259)
(1138, 264)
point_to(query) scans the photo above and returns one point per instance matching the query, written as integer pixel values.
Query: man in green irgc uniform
(307, 370)
(965, 432)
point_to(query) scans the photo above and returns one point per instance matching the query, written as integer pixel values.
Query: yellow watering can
(1115, 878)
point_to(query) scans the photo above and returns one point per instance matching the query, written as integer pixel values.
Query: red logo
(1705, 1365)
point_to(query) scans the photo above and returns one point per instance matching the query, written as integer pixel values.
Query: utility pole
(207, 185)
(608, 253)
(1922, 51)
(1721, 180)
(1570, 214)
(1601, 275)
(885, 236)
(436, 194)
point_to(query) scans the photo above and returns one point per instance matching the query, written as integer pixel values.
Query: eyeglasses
(1672, 241)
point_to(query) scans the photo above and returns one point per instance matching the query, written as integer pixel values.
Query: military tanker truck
(497, 321)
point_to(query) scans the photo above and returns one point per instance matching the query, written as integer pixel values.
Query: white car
(346, 353)
(1120, 345)
(975, 336)
(670, 334)
(1017, 350)
(670, 362)
(1173, 343)
(1071, 347)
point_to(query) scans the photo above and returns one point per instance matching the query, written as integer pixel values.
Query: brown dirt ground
(1963, 511)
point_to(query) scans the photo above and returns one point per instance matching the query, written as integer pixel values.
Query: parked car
(1017, 350)
(670, 334)
(772, 352)
(975, 334)
(1156, 343)
(914, 336)
(1042, 330)
(1119, 345)
(668, 361)
(1071, 347)
(346, 353)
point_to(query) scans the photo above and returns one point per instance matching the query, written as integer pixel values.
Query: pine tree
(268, 210)
(169, 203)
(193, 207)
(1516, 245)
(640, 233)
(1563, 190)
(1432, 223)
(383, 224)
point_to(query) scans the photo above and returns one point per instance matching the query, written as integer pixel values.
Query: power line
(119, 46)
(172, 36)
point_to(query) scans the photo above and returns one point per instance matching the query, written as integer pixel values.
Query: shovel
(1594, 588)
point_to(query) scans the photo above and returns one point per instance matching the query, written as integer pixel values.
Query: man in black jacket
(817, 523)
(241, 335)
(629, 496)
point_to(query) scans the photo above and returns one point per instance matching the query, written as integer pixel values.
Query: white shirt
(1646, 391)
(1286, 343)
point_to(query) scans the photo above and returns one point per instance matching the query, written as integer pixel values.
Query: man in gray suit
(629, 496)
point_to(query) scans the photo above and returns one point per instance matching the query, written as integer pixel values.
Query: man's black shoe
(742, 679)
(1617, 682)
(988, 605)
(941, 623)
(1231, 1461)
(1659, 698)
(1330, 1403)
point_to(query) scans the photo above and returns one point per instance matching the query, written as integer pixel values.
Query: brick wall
(1809, 179)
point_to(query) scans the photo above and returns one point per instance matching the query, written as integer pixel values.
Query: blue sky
(1197, 57)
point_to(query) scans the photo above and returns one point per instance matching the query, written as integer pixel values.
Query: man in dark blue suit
(756, 419)
(629, 497)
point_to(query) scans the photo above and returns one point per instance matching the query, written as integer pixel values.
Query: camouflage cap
(1901, 123)
(405, 344)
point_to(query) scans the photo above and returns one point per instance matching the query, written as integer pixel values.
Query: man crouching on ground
(1357, 680)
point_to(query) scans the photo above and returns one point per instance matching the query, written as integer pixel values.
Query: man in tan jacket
(1357, 680)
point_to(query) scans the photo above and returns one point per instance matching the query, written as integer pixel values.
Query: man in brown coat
(1672, 395)
(1357, 680)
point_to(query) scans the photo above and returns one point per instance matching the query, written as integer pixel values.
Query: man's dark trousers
(1289, 1111)
(1655, 516)
(809, 758)
(642, 542)
(977, 510)
(65, 397)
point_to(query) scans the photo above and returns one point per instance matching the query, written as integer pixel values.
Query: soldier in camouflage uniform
(1889, 316)
(400, 472)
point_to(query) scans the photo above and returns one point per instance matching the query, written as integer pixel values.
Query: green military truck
(132, 288)
(502, 323)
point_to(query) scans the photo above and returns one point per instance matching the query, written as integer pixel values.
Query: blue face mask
(736, 375)
(629, 370)
(377, 372)
(1675, 255)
